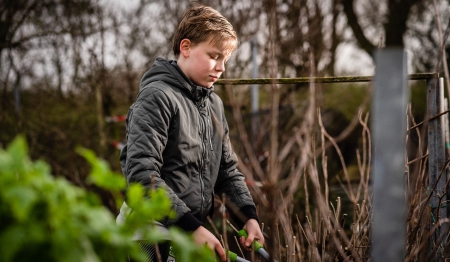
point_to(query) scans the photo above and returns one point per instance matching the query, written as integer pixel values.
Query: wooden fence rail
(326, 79)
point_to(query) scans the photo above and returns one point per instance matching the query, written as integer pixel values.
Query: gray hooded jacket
(177, 136)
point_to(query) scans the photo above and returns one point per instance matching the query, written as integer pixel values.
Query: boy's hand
(203, 236)
(254, 233)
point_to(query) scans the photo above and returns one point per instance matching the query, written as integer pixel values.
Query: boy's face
(204, 62)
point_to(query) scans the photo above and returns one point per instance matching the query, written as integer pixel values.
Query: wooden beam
(305, 80)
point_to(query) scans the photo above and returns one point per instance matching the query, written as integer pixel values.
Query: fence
(391, 218)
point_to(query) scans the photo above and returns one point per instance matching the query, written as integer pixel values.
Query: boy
(177, 134)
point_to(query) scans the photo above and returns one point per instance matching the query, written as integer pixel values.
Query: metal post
(447, 144)
(17, 96)
(389, 130)
(255, 88)
(436, 160)
(446, 131)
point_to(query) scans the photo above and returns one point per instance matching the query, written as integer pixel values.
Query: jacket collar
(197, 93)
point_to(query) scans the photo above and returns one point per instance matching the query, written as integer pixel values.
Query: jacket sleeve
(148, 124)
(231, 182)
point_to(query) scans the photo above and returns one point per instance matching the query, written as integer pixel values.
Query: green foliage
(344, 98)
(418, 100)
(44, 218)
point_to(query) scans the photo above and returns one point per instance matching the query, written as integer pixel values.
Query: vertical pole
(446, 131)
(255, 88)
(436, 160)
(17, 95)
(389, 132)
(17, 98)
(446, 145)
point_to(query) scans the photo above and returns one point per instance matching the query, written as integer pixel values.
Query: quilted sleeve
(147, 130)
(231, 181)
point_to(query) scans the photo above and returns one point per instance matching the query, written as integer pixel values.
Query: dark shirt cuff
(248, 212)
(188, 222)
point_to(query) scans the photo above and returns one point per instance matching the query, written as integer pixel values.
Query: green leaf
(101, 175)
(18, 148)
(23, 198)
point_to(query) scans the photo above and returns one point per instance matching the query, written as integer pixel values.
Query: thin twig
(239, 246)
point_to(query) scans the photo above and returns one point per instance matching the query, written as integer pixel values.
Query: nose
(220, 66)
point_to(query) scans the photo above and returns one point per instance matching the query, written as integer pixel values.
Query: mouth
(214, 78)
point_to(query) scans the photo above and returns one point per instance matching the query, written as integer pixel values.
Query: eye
(215, 57)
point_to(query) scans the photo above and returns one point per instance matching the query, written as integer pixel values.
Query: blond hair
(199, 23)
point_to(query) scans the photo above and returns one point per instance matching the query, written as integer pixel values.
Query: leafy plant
(44, 218)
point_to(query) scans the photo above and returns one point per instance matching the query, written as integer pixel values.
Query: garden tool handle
(256, 246)
(233, 256)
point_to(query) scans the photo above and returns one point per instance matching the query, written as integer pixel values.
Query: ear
(185, 47)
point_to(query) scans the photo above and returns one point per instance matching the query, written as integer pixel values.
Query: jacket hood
(169, 72)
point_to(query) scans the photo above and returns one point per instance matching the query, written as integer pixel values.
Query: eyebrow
(216, 53)
(219, 53)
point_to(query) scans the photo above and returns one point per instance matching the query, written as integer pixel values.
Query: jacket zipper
(203, 134)
(209, 131)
